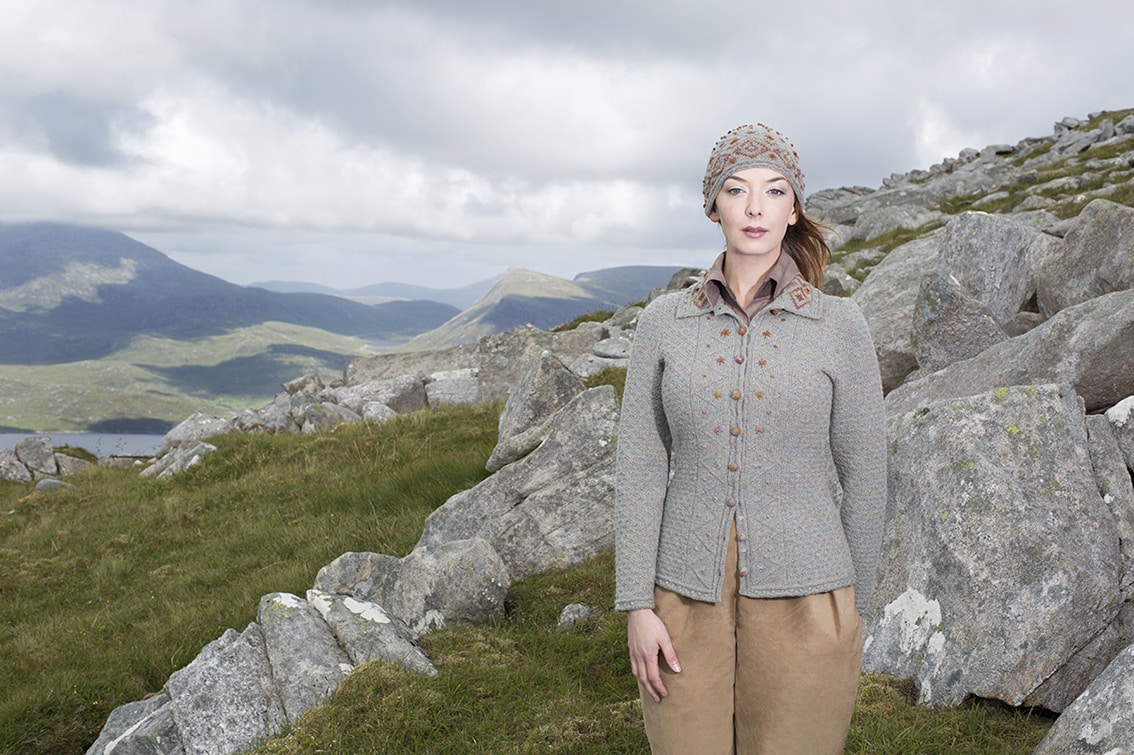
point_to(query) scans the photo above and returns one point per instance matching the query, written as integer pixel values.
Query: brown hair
(806, 242)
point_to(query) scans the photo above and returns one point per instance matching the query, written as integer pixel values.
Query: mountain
(460, 298)
(545, 301)
(69, 293)
(97, 327)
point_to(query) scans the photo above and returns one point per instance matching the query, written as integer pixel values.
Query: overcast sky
(439, 142)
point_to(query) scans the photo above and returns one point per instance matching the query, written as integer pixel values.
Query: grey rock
(1095, 258)
(588, 365)
(307, 663)
(574, 613)
(69, 465)
(38, 455)
(375, 412)
(1101, 720)
(1121, 418)
(546, 387)
(1000, 559)
(197, 427)
(553, 508)
(949, 324)
(993, 258)
(324, 417)
(453, 388)
(310, 383)
(459, 581)
(125, 734)
(875, 222)
(225, 700)
(51, 485)
(177, 461)
(404, 393)
(887, 298)
(627, 317)
(11, 468)
(279, 416)
(613, 348)
(1090, 345)
(1112, 476)
(367, 633)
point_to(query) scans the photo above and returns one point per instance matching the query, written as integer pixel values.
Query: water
(99, 444)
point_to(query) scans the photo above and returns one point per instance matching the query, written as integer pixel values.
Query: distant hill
(545, 301)
(97, 327)
(461, 298)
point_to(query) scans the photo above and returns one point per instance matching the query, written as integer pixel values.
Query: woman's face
(755, 207)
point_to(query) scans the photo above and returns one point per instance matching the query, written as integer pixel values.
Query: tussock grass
(108, 588)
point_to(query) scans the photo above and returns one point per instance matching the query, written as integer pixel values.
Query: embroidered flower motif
(716, 394)
(720, 360)
(759, 394)
(718, 429)
(726, 333)
(762, 363)
(799, 292)
(767, 334)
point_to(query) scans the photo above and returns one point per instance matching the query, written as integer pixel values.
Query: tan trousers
(758, 676)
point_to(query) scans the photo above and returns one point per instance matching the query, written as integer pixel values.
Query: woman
(751, 480)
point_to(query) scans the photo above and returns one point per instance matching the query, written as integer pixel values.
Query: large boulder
(435, 585)
(994, 258)
(1101, 720)
(1121, 419)
(950, 324)
(1090, 346)
(453, 388)
(887, 298)
(546, 387)
(1095, 258)
(38, 455)
(1000, 559)
(197, 427)
(367, 633)
(307, 662)
(553, 508)
(11, 468)
(225, 700)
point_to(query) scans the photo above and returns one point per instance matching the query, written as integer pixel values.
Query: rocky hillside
(1007, 571)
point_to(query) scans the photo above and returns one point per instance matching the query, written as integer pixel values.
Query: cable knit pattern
(771, 424)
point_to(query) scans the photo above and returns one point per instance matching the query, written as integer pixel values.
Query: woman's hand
(646, 636)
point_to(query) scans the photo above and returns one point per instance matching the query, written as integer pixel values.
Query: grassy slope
(131, 382)
(108, 588)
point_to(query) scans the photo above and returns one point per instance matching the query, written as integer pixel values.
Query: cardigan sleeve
(858, 447)
(642, 464)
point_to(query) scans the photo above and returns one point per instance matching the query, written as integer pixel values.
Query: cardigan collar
(798, 297)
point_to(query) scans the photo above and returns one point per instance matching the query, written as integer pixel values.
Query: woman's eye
(734, 190)
(776, 192)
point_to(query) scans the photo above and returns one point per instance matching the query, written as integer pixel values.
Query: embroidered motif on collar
(700, 298)
(799, 292)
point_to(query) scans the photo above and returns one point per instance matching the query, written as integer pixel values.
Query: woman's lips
(755, 231)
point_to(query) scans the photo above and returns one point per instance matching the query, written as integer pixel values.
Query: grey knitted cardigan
(777, 425)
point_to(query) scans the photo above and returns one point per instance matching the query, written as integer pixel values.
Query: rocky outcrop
(35, 459)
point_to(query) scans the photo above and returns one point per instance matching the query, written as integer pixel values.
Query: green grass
(108, 588)
(601, 315)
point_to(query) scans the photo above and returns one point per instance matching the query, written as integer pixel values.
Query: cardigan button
(742, 330)
(740, 359)
(736, 395)
(733, 466)
(731, 502)
(735, 431)
(743, 572)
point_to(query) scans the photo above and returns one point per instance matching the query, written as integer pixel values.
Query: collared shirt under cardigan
(765, 423)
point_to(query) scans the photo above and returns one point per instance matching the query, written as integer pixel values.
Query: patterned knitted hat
(751, 147)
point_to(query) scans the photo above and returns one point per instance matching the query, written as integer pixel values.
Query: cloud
(265, 136)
